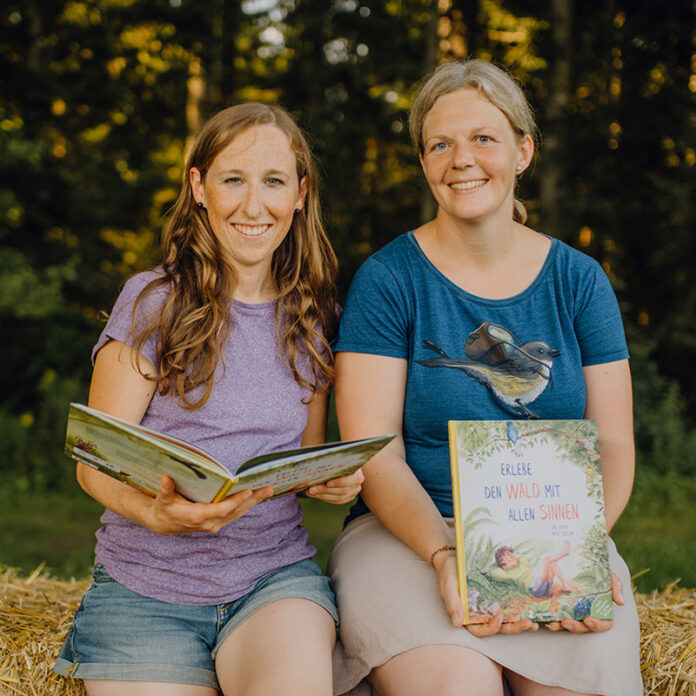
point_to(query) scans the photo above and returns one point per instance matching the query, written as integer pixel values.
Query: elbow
(83, 473)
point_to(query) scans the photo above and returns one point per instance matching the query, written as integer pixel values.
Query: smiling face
(471, 156)
(250, 193)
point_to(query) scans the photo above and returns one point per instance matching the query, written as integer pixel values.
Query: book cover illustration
(529, 520)
(139, 457)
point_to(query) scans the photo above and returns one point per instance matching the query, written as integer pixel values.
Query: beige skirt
(388, 602)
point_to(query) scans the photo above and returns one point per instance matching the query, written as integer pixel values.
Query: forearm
(114, 495)
(370, 401)
(617, 459)
(168, 513)
(399, 501)
(609, 402)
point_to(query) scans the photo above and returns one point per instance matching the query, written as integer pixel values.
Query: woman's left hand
(590, 623)
(338, 490)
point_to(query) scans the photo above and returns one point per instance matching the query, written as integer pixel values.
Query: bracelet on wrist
(440, 550)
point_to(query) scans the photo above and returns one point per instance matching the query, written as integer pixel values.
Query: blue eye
(484, 138)
(232, 180)
(274, 181)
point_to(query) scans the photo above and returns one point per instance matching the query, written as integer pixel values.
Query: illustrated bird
(491, 344)
(512, 434)
(518, 374)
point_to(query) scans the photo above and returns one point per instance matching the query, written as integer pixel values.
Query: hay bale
(36, 612)
(35, 616)
(668, 641)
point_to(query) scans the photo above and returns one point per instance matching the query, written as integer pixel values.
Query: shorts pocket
(100, 575)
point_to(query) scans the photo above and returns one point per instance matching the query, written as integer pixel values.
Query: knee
(455, 681)
(273, 685)
(439, 670)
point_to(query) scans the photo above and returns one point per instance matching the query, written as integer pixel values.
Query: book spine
(458, 528)
(222, 493)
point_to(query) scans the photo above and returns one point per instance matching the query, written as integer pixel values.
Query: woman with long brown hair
(225, 345)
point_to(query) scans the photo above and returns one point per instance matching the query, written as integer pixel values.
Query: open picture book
(139, 457)
(530, 529)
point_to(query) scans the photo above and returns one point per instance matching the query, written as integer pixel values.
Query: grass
(324, 523)
(660, 549)
(52, 528)
(57, 529)
(657, 542)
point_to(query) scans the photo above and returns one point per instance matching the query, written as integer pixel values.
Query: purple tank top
(255, 406)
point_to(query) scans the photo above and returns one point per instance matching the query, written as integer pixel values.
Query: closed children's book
(529, 520)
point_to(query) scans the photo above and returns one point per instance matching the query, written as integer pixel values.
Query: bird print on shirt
(515, 373)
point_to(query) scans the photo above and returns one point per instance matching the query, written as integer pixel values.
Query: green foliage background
(100, 97)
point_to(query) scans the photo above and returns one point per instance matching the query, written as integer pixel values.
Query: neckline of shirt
(442, 278)
(255, 307)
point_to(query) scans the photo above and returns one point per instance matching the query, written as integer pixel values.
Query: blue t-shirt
(471, 358)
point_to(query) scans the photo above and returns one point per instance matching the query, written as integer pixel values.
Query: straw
(668, 641)
(36, 614)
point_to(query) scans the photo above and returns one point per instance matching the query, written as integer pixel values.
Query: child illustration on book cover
(516, 568)
(525, 587)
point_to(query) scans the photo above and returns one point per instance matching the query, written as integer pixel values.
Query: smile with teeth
(467, 185)
(250, 230)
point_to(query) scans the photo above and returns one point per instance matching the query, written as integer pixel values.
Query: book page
(126, 455)
(297, 470)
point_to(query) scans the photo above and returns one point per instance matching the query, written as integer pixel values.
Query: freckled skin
(250, 193)
(470, 155)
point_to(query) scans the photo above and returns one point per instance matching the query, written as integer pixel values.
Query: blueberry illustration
(582, 609)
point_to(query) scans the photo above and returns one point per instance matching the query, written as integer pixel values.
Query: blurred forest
(100, 97)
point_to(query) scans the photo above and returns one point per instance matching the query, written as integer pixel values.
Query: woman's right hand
(446, 568)
(171, 513)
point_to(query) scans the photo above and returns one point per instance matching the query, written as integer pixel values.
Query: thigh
(284, 648)
(110, 687)
(521, 686)
(438, 670)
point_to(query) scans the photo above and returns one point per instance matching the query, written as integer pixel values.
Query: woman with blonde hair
(225, 345)
(472, 274)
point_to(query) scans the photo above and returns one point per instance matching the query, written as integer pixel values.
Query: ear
(526, 153)
(196, 181)
(302, 195)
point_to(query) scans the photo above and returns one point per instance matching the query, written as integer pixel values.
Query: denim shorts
(119, 634)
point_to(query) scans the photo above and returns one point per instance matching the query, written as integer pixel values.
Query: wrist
(150, 517)
(438, 555)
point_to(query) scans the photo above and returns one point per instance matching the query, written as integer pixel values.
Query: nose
(463, 155)
(252, 203)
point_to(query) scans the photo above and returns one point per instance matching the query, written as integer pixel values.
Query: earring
(297, 211)
(518, 168)
(200, 205)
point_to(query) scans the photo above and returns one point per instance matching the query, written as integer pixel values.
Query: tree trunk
(552, 170)
(195, 90)
(428, 207)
